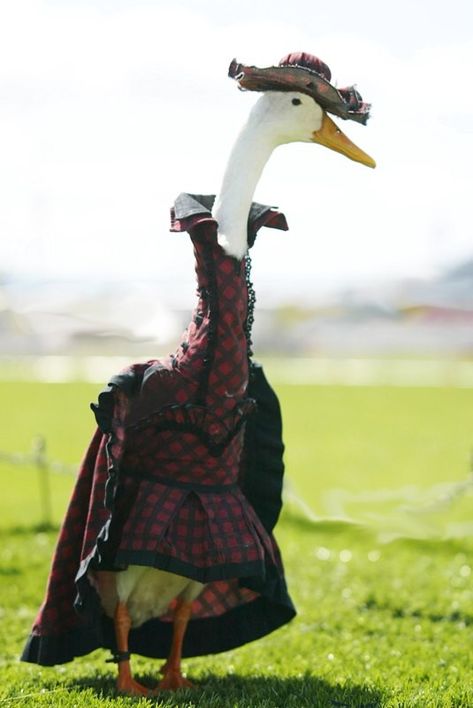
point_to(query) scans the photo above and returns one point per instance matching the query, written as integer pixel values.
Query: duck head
(297, 98)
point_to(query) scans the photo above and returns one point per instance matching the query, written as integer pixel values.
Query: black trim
(103, 409)
(112, 478)
(211, 635)
(251, 301)
(213, 313)
(103, 412)
(214, 448)
(263, 470)
(171, 482)
(118, 657)
(51, 649)
(224, 571)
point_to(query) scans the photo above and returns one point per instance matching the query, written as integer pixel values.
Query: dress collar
(192, 209)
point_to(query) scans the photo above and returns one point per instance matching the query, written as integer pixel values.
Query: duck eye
(296, 101)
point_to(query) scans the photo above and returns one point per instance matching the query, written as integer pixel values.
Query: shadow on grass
(234, 691)
(398, 612)
(10, 571)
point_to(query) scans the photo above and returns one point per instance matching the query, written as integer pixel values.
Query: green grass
(380, 624)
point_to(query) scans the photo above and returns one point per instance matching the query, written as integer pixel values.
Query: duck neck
(248, 157)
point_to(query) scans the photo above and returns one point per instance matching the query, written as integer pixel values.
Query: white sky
(108, 109)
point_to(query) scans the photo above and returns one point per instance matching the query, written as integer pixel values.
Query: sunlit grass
(387, 625)
(380, 624)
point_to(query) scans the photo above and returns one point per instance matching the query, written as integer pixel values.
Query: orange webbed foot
(130, 687)
(172, 681)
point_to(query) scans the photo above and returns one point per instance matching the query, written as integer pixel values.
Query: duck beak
(332, 137)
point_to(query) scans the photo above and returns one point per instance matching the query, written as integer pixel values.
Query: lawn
(380, 623)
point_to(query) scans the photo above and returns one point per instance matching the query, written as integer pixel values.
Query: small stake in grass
(41, 463)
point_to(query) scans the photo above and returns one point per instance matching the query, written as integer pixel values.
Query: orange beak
(332, 137)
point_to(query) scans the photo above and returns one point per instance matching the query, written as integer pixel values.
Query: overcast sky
(109, 109)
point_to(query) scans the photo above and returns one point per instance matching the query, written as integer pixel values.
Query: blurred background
(364, 313)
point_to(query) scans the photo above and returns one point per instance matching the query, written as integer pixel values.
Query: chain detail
(210, 295)
(250, 318)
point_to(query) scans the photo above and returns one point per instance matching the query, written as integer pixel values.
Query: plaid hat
(307, 74)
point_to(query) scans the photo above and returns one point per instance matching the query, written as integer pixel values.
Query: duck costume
(183, 474)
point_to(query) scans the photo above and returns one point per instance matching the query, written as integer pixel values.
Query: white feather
(147, 592)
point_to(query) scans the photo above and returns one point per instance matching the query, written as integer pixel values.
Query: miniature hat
(307, 74)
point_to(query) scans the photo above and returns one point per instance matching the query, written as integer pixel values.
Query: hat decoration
(306, 73)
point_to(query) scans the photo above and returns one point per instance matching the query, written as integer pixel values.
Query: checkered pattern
(305, 73)
(216, 599)
(198, 529)
(201, 529)
(160, 485)
(180, 456)
(57, 615)
(228, 376)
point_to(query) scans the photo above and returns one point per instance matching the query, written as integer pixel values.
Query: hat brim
(297, 78)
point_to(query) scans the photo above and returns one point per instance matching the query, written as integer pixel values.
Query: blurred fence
(38, 459)
(408, 511)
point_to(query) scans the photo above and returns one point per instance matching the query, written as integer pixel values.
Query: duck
(167, 547)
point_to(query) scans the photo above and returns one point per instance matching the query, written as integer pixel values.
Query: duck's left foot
(130, 687)
(172, 681)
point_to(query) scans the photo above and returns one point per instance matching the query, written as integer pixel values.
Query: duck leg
(125, 681)
(172, 676)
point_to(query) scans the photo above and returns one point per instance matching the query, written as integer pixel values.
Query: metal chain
(250, 318)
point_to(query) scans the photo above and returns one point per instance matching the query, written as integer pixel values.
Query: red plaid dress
(184, 445)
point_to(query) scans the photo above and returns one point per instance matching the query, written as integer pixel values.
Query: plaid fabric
(56, 614)
(307, 74)
(207, 534)
(159, 485)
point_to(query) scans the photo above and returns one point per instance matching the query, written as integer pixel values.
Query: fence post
(41, 464)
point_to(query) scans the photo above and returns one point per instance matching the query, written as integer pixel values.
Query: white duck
(278, 117)
(292, 108)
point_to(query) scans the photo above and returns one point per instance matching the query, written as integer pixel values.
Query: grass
(379, 624)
